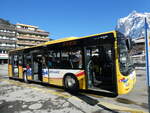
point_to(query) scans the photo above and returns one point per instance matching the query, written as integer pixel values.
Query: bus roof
(61, 40)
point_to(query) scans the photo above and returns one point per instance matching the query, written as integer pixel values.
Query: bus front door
(100, 68)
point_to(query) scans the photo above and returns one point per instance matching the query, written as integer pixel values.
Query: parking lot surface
(20, 97)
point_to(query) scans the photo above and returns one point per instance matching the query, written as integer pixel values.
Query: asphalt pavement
(20, 97)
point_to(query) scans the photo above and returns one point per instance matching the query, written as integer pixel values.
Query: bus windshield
(126, 65)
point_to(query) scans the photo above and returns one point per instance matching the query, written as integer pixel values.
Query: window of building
(1, 30)
(30, 28)
(24, 27)
(18, 26)
(4, 37)
(8, 31)
(13, 38)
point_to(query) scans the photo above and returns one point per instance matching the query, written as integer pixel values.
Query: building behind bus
(17, 36)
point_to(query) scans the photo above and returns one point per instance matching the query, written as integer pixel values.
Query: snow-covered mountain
(133, 24)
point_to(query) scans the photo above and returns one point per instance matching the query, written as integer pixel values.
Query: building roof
(140, 40)
(25, 25)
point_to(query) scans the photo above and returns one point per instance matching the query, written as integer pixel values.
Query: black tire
(25, 77)
(71, 84)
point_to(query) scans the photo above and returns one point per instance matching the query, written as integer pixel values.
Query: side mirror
(129, 43)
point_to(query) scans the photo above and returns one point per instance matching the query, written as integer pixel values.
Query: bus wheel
(71, 83)
(25, 77)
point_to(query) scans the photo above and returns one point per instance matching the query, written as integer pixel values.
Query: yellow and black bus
(100, 61)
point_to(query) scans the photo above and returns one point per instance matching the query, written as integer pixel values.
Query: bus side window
(28, 60)
(20, 60)
(76, 59)
(49, 62)
(53, 60)
(15, 60)
(71, 59)
(43, 61)
(10, 59)
(65, 60)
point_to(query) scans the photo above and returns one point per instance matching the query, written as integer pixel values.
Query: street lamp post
(147, 53)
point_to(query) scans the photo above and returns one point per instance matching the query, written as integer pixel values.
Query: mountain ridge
(133, 24)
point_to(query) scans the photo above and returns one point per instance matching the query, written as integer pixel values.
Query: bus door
(37, 66)
(10, 65)
(20, 65)
(29, 66)
(40, 71)
(100, 67)
(15, 65)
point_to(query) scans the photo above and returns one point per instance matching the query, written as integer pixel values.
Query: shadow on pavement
(93, 102)
(100, 93)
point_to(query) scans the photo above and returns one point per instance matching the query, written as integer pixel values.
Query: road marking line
(108, 105)
(121, 108)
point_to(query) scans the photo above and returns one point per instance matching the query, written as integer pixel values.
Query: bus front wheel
(71, 83)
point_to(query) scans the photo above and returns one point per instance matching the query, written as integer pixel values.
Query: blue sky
(65, 18)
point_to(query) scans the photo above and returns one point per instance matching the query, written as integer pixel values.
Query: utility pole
(147, 54)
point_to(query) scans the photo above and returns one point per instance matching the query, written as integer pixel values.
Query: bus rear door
(15, 65)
